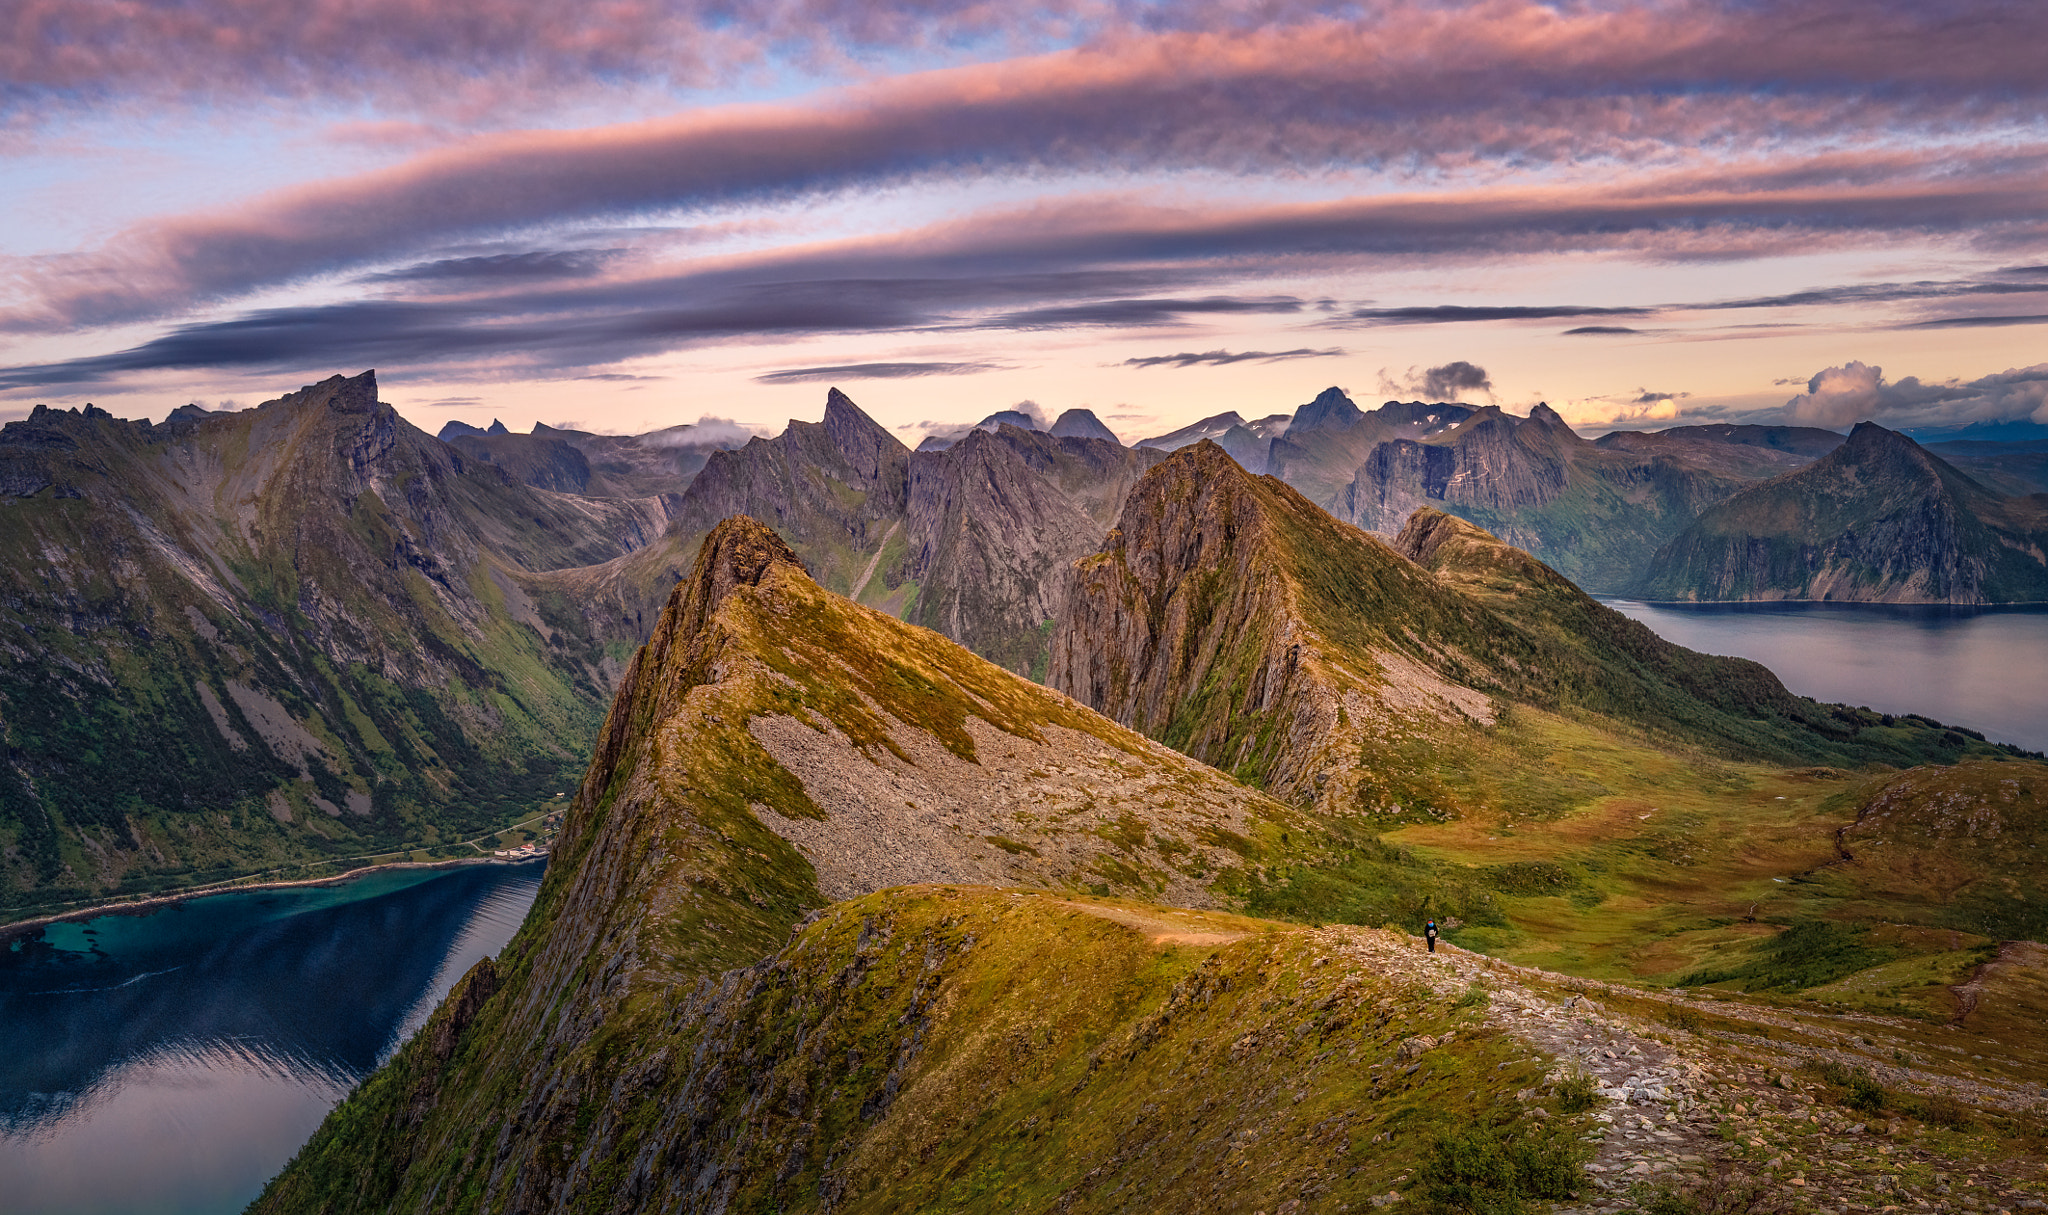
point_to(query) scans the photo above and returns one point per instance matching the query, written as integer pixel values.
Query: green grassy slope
(1604, 802)
(937, 1048)
(298, 632)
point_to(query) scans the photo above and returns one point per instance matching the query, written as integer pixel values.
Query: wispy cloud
(974, 272)
(495, 268)
(1451, 314)
(1224, 358)
(1978, 322)
(1099, 164)
(872, 371)
(1136, 314)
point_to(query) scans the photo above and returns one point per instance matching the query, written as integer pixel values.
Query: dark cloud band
(871, 371)
(1224, 358)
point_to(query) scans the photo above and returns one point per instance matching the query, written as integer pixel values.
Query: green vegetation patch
(946, 1048)
(1809, 953)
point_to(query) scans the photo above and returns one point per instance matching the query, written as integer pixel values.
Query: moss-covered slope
(943, 1049)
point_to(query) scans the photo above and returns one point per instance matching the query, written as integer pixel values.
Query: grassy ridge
(963, 1049)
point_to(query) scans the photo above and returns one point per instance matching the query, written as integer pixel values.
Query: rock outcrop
(1879, 519)
(1200, 623)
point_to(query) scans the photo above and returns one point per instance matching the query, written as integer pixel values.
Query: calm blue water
(172, 1062)
(1985, 668)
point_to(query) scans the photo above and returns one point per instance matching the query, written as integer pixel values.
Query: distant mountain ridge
(1880, 519)
(972, 539)
(601, 466)
(239, 640)
(1597, 511)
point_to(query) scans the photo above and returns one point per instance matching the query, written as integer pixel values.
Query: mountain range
(231, 641)
(1596, 511)
(328, 634)
(844, 917)
(1877, 519)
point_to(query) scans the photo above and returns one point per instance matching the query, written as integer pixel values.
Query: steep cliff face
(991, 525)
(235, 640)
(1879, 519)
(1204, 622)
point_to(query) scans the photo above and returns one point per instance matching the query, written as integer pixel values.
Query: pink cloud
(1695, 126)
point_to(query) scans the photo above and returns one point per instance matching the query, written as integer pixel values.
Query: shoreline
(155, 902)
(1604, 596)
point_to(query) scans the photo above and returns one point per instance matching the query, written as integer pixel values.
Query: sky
(632, 215)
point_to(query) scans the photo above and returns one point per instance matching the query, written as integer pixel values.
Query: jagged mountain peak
(1081, 424)
(1331, 409)
(738, 552)
(867, 444)
(340, 393)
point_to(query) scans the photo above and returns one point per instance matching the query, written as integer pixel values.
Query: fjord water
(1984, 668)
(169, 1063)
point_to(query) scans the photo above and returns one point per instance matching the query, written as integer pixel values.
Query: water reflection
(1985, 668)
(171, 1062)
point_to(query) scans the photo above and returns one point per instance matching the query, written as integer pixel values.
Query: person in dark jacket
(1429, 934)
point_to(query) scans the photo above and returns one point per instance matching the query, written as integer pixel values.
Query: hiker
(1429, 934)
